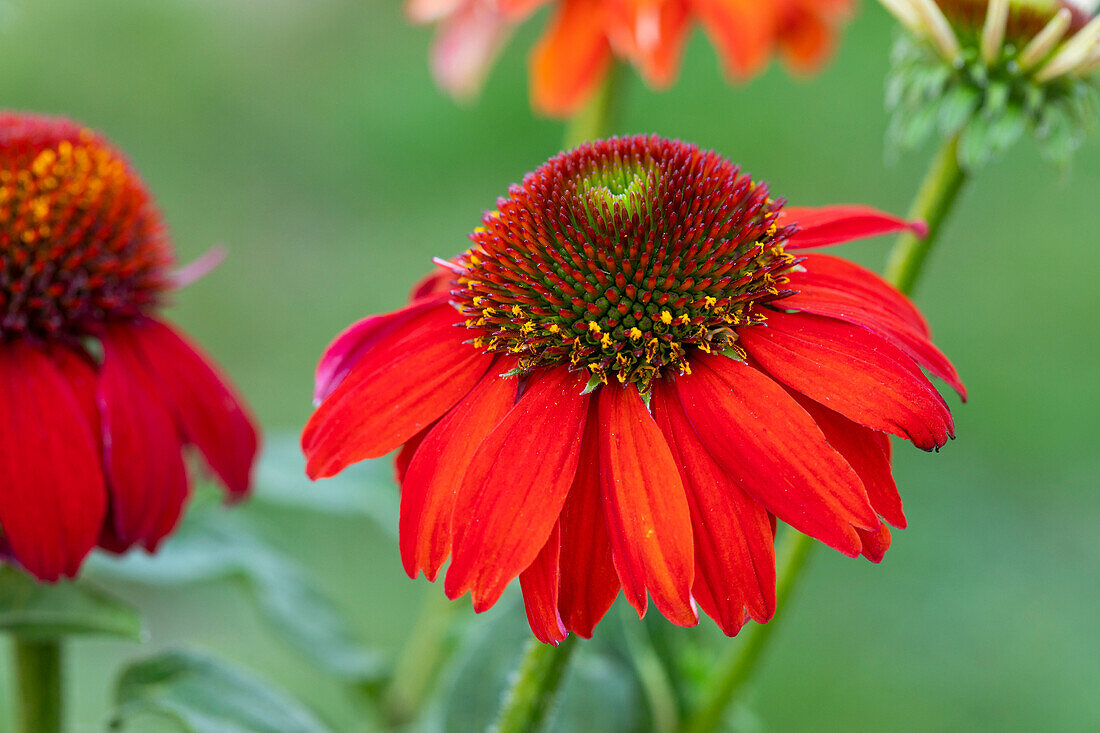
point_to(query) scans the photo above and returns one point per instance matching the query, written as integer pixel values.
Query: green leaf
(36, 610)
(215, 544)
(204, 695)
(957, 107)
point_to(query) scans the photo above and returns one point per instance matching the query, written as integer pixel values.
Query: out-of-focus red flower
(100, 395)
(584, 36)
(637, 367)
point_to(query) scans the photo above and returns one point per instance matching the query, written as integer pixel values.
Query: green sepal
(593, 383)
(201, 694)
(40, 611)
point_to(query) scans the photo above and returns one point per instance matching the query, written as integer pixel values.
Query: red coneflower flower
(584, 35)
(100, 396)
(625, 380)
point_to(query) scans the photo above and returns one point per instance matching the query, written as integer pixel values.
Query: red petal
(853, 371)
(867, 451)
(570, 59)
(404, 455)
(734, 549)
(207, 408)
(875, 544)
(741, 30)
(589, 582)
(828, 300)
(52, 497)
(539, 583)
(391, 394)
(647, 509)
(436, 472)
(858, 282)
(375, 332)
(515, 486)
(827, 225)
(774, 451)
(141, 445)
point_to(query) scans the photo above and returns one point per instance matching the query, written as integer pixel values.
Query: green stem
(540, 675)
(937, 196)
(737, 666)
(600, 116)
(38, 683)
(935, 199)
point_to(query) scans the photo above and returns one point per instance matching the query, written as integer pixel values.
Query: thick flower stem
(935, 199)
(599, 117)
(938, 193)
(38, 686)
(415, 670)
(537, 682)
(740, 661)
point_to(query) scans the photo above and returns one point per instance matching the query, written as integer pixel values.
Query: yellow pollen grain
(635, 333)
(517, 311)
(594, 327)
(772, 229)
(606, 341)
(554, 328)
(709, 301)
(666, 318)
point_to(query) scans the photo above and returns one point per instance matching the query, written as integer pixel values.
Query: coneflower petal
(734, 552)
(589, 582)
(515, 486)
(646, 507)
(828, 225)
(437, 470)
(540, 583)
(853, 371)
(774, 451)
(52, 497)
(142, 446)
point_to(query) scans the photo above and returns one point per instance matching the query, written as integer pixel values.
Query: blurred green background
(307, 137)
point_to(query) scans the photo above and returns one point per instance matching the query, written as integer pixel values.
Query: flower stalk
(934, 201)
(38, 685)
(538, 680)
(599, 117)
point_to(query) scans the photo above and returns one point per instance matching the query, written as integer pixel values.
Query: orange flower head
(637, 368)
(584, 36)
(80, 240)
(101, 396)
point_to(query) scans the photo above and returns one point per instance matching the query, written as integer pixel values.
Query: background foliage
(308, 138)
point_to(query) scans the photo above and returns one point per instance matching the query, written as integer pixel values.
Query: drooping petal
(142, 447)
(866, 450)
(734, 549)
(570, 59)
(652, 35)
(646, 507)
(774, 451)
(539, 583)
(376, 332)
(844, 276)
(206, 407)
(468, 42)
(828, 225)
(876, 543)
(52, 497)
(393, 392)
(436, 472)
(515, 486)
(589, 582)
(853, 371)
(807, 39)
(741, 30)
(827, 300)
